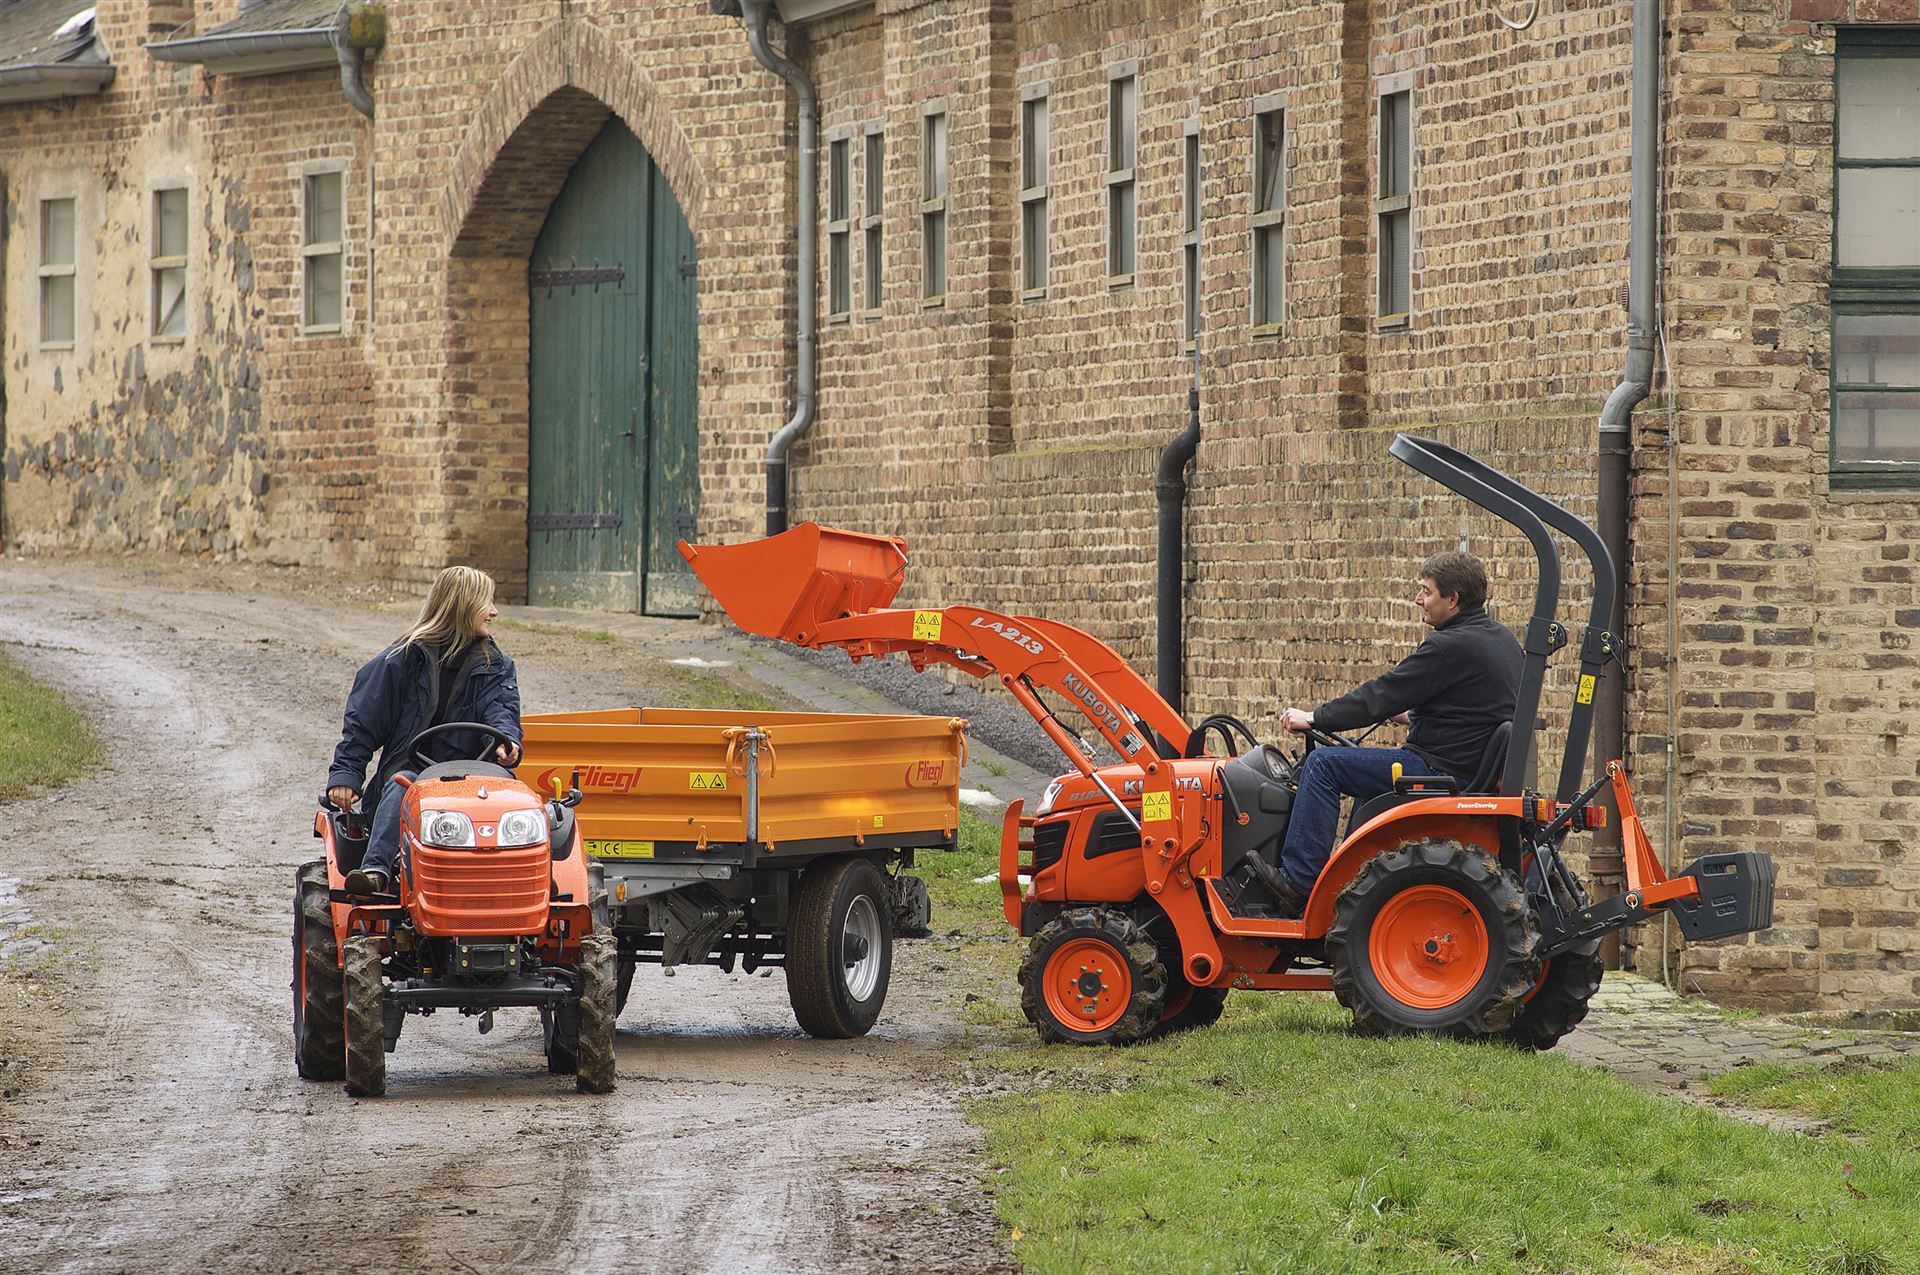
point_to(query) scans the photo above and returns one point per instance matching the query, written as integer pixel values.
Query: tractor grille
(1112, 834)
(473, 892)
(1049, 843)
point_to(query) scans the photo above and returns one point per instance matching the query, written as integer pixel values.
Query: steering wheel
(1327, 738)
(495, 738)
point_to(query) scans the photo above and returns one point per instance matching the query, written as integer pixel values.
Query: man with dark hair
(1455, 690)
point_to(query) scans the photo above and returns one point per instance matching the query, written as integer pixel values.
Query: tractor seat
(464, 770)
(1486, 780)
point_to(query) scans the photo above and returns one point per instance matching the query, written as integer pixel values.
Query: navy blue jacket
(391, 698)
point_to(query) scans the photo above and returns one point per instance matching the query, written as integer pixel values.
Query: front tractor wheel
(1432, 937)
(594, 1042)
(1093, 977)
(366, 1051)
(319, 1041)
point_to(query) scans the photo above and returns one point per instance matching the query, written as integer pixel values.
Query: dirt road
(150, 1117)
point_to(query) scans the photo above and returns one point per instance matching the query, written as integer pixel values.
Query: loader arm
(816, 586)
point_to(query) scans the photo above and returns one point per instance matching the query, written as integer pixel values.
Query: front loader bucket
(786, 586)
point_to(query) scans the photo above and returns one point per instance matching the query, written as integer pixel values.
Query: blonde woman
(446, 669)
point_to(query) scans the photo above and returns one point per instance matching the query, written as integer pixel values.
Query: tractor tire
(366, 1034)
(623, 984)
(319, 1030)
(1187, 1007)
(1432, 938)
(1559, 999)
(840, 948)
(594, 1045)
(560, 1037)
(1093, 977)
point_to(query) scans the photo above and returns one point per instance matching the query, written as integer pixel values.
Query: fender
(1470, 820)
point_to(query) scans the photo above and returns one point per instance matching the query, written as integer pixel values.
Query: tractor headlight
(446, 828)
(1046, 802)
(522, 828)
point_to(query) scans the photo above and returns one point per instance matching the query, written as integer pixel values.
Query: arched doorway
(613, 443)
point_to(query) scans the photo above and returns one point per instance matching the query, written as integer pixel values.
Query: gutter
(40, 81)
(282, 47)
(754, 14)
(1615, 443)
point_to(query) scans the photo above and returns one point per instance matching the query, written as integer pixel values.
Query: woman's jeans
(383, 839)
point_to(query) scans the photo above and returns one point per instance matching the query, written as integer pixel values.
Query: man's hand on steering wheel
(1300, 722)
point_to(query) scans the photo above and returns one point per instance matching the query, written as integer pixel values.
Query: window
(1036, 145)
(1123, 127)
(875, 179)
(1394, 206)
(839, 228)
(322, 246)
(933, 206)
(169, 264)
(56, 272)
(1876, 265)
(1269, 217)
(1190, 237)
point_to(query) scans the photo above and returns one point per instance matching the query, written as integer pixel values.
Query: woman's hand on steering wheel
(500, 744)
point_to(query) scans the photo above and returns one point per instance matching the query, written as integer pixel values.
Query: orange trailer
(763, 839)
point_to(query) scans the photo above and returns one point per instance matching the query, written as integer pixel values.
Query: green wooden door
(612, 436)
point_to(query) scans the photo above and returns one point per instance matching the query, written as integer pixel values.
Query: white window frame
(1123, 157)
(160, 266)
(873, 186)
(839, 229)
(935, 269)
(312, 250)
(1392, 208)
(48, 270)
(1036, 172)
(1191, 200)
(1267, 221)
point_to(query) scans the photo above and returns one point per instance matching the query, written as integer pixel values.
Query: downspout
(1615, 435)
(1171, 489)
(356, 29)
(754, 14)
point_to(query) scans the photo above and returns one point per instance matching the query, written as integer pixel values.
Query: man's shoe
(1287, 901)
(362, 881)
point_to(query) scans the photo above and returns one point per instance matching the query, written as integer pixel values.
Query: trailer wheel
(1558, 1001)
(840, 948)
(1093, 977)
(1432, 937)
(595, 1040)
(319, 1041)
(366, 1033)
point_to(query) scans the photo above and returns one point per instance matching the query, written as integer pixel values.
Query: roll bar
(1508, 500)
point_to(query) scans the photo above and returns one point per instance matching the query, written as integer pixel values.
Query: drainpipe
(1171, 489)
(754, 14)
(1616, 438)
(356, 29)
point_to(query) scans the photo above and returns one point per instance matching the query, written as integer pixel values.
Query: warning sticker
(707, 780)
(1586, 689)
(926, 626)
(620, 849)
(1156, 807)
(879, 821)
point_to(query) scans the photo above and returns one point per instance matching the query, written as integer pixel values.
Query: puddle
(14, 917)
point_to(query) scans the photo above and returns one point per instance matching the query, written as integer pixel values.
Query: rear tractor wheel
(1558, 1001)
(319, 1040)
(1093, 977)
(366, 1043)
(1432, 938)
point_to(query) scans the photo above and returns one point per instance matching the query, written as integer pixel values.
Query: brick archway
(520, 147)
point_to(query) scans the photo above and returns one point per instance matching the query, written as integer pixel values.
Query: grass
(1874, 1104)
(43, 741)
(962, 904)
(1277, 1140)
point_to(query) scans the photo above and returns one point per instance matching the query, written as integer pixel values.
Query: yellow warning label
(620, 849)
(1156, 807)
(707, 780)
(1586, 689)
(926, 626)
(879, 821)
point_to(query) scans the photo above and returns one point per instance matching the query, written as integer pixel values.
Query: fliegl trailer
(759, 840)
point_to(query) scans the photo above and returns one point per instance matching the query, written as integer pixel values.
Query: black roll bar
(1501, 496)
(1598, 643)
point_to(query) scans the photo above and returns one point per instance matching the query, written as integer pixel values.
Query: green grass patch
(1277, 1140)
(1877, 1104)
(43, 741)
(962, 904)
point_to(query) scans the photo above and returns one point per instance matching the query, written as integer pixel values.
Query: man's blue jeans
(383, 839)
(1361, 773)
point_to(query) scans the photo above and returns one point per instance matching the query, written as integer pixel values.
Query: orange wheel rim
(1428, 946)
(1177, 1004)
(1088, 985)
(1540, 982)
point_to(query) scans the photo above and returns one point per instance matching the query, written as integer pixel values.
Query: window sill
(173, 342)
(873, 315)
(1393, 323)
(1032, 294)
(55, 347)
(934, 303)
(1116, 282)
(1266, 331)
(840, 319)
(321, 329)
(1903, 485)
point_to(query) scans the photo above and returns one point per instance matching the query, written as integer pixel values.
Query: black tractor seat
(1485, 781)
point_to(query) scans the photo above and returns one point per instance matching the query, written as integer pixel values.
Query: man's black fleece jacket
(1459, 685)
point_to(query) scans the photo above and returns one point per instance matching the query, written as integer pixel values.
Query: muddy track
(154, 1121)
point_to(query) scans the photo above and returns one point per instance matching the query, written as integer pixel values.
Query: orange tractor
(492, 909)
(1142, 885)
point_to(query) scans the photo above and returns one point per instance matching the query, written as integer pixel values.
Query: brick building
(242, 318)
